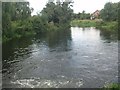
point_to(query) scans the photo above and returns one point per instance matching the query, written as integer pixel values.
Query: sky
(89, 6)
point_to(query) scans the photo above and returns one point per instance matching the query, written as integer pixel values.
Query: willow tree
(58, 12)
(14, 12)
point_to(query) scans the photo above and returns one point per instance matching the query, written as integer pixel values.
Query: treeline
(82, 16)
(18, 22)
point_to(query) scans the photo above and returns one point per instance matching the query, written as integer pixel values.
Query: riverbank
(23, 29)
(110, 26)
(19, 29)
(83, 23)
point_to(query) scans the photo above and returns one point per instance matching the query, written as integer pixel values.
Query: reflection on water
(79, 57)
(109, 36)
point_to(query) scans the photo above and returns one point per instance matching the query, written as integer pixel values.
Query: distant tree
(110, 12)
(81, 16)
(58, 13)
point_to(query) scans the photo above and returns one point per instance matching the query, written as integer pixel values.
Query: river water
(79, 57)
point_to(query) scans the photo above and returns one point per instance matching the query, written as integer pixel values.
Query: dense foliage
(18, 22)
(110, 16)
(111, 87)
(110, 12)
(58, 13)
(15, 17)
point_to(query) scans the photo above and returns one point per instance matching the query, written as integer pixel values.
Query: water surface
(79, 57)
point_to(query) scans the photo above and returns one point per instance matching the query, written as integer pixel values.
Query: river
(78, 57)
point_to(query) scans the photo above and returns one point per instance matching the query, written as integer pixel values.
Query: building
(95, 15)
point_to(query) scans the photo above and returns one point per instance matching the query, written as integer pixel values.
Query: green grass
(111, 87)
(110, 26)
(83, 23)
(102, 25)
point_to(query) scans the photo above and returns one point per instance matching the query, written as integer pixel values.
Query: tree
(58, 13)
(110, 12)
(21, 10)
(12, 15)
(6, 19)
(82, 15)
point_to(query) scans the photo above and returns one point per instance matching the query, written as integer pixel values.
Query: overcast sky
(79, 5)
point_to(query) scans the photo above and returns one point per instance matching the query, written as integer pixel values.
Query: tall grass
(111, 87)
(83, 23)
(111, 26)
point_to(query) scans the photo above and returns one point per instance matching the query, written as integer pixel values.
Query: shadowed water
(79, 57)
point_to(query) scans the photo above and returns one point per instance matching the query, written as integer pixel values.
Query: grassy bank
(83, 23)
(110, 26)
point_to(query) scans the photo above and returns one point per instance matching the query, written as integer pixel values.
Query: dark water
(79, 57)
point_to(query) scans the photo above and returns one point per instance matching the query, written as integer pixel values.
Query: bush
(111, 87)
(111, 26)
